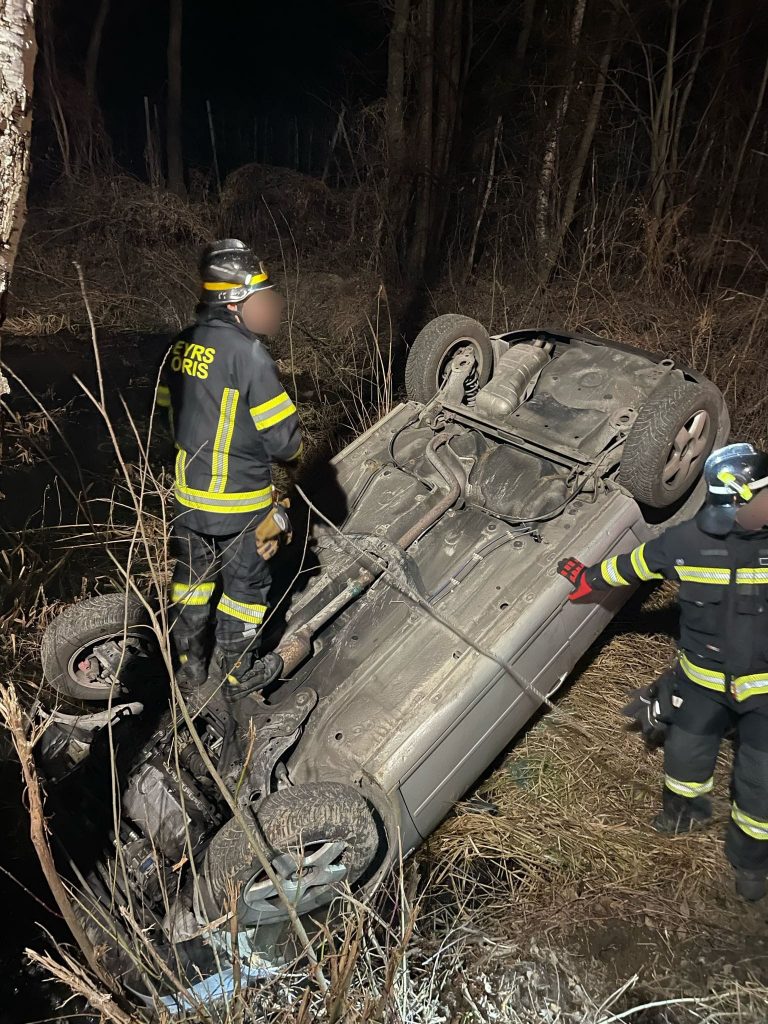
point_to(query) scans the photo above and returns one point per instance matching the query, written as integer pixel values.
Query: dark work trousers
(690, 753)
(202, 560)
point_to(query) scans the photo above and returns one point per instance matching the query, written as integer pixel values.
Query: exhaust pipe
(296, 645)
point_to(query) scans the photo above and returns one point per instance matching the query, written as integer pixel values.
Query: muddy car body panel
(403, 700)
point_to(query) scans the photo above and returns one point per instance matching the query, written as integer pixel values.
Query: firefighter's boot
(750, 885)
(244, 673)
(680, 814)
(192, 671)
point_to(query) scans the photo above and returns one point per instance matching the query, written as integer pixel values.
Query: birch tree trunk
(661, 126)
(547, 179)
(17, 63)
(582, 153)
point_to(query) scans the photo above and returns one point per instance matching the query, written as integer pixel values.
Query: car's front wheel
(322, 835)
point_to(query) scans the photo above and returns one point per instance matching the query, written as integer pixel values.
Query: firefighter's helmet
(230, 273)
(734, 476)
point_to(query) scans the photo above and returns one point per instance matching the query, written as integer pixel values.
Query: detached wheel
(92, 640)
(435, 346)
(669, 441)
(323, 835)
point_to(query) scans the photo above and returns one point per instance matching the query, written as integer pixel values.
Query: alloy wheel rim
(688, 448)
(308, 878)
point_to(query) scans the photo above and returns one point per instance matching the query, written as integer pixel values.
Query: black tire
(291, 819)
(672, 405)
(432, 348)
(81, 625)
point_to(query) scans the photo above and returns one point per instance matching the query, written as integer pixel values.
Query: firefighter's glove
(653, 707)
(274, 529)
(575, 572)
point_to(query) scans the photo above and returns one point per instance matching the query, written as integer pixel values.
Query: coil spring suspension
(471, 387)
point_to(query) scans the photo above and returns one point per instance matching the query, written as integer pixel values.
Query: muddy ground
(552, 847)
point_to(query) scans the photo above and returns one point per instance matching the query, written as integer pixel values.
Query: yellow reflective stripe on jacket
(756, 574)
(750, 686)
(756, 828)
(214, 501)
(163, 396)
(181, 468)
(702, 574)
(706, 677)
(689, 789)
(242, 611)
(234, 501)
(274, 411)
(639, 564)
(742, 687)
(224, 431)
(191, 594)
(610, 572)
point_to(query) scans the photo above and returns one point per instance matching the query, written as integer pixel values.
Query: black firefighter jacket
(231, 418)
(723, 602)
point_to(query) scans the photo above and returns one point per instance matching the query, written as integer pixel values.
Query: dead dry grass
(557, 848)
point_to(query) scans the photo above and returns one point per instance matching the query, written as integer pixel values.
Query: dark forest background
(592, 162)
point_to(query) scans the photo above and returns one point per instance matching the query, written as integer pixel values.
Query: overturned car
(434, 625)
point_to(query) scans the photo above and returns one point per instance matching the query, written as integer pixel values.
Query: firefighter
(231, 418)
(720, 680)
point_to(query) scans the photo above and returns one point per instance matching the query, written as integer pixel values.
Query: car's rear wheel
(93, 642)
(669, 442)
(429, 360)
(323, 835)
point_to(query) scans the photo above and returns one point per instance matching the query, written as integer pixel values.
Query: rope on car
(400, 585)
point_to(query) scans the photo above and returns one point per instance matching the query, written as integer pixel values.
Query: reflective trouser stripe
(224, 431)
(240, 610)
(689, 789)
(753, 827)
(703, 574)
(191, 594)
(610, 572)
(641, 567)
(705, 677)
